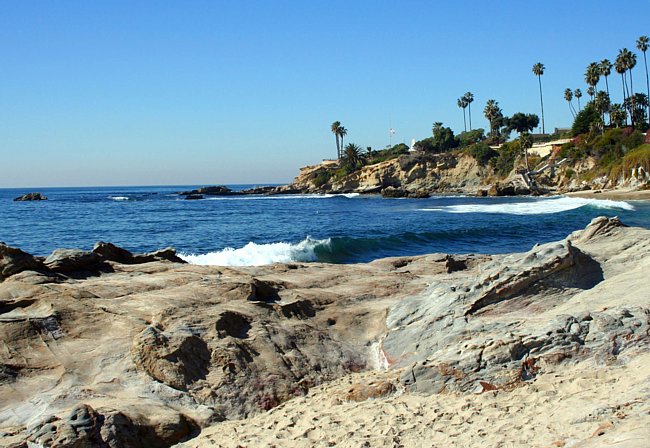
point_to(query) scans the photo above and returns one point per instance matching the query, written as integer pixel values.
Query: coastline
(302, 354)
(614, 195)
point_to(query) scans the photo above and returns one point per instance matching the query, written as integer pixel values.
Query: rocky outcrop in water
(36, 196)
(150, 354)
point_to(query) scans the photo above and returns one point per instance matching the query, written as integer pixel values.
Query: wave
(253, 254)
(283, 197)
(538, 207)
(119, 198)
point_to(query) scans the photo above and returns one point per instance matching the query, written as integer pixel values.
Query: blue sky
(221, 92)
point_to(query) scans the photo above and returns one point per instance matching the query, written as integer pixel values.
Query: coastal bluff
(549, 347)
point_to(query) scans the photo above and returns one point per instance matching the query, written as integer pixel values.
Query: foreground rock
(31, 197)
(151, 354)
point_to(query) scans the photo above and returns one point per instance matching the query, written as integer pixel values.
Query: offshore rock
(31, 197)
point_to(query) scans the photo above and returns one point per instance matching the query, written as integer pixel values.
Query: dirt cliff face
(412, 172)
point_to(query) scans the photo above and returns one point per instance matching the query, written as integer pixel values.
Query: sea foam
(253, 254)
(538, 207)
(282, 197)
(119, 198)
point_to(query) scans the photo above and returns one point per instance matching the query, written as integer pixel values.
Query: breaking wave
(253, 254)
(119, 198)
(282, 197)
(544, 206)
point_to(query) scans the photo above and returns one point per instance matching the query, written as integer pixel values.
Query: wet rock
(190, 197)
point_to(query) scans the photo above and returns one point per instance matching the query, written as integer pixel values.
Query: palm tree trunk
(624, 97)
(647, 84)
(470, 115)
(579, 106)
(464, 120)
(338, 147)
(632, 99)
(541, 99)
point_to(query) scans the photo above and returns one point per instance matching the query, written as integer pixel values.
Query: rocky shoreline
(121, 350)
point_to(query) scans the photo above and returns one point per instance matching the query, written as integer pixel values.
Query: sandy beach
(614, 195)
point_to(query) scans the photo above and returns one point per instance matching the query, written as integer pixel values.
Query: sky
(225, 92)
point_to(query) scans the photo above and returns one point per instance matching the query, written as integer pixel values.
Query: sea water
(257, 230)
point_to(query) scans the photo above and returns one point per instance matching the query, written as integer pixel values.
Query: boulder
(507, 189)
(71, 260)
(36, 196)
(194, 196)
(166, 254)
(111, 252)
(394, 192)
(13, 261)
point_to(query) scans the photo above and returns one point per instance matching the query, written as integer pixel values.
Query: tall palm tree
(568, 96)
(492, 111)
(592, 76)
(335, 130)
(629, 62)
(642, 45)
(470, 99)
(538, 70)
(578, 94)
(462, 103)
(605, 68)
(342, 133)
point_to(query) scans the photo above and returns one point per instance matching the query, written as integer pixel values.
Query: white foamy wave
(544, 206)
(281, 197)
(259, 254)
(119, 198)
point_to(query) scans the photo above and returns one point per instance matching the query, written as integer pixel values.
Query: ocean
(257, 230)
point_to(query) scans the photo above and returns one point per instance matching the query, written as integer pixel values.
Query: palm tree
(591, 91)
(629, 62)
(603, 105)
(462, 103)
(470, 99)
(568, 96)
(578, 94)
(592, 76)
(342, 133)
(524, 123)
(618, 115)
(492, 111)
(642, 45)
(335, 130)
(352, 156)
(538, 70)
(605, 68)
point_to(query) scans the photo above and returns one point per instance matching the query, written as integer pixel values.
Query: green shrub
(322, 178)
(638, 157)
(482, 153)
(505, 162)
(585, 119)
(569, 173)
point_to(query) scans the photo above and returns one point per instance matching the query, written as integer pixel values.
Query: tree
(462, 103)
(642, 45)
(630, 63)
(469, 98)
(568, 96)
(626, 61)
(637, 105)
(335, 130)
(591, 91)
(617, 115)
(492, 112)
(605, 68)
(592, 76)
(578, 94)
(585, 119)
(538, 70)
(603, 104)
(352, 156)
(342, 133)
(524, 123)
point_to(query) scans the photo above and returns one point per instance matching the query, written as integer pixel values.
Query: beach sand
(616, 195)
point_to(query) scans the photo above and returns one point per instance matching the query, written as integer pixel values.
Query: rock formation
(154, 353)
(36, 196)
